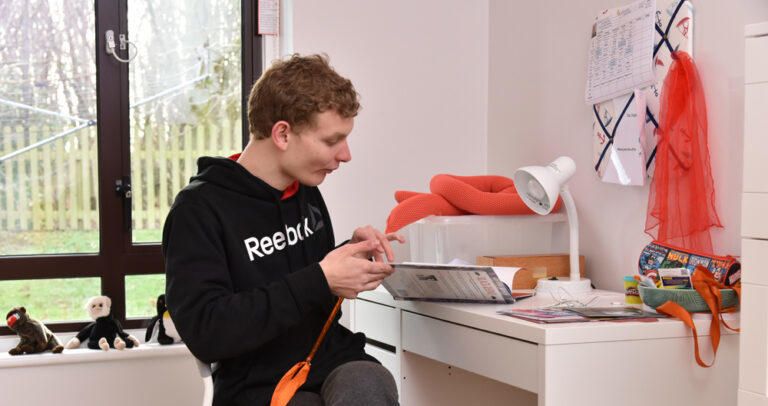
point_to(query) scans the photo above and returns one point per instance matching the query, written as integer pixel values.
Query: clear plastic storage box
(441, 239)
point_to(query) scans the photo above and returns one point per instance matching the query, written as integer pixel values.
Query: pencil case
(656, 255)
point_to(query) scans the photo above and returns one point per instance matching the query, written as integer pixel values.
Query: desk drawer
(389, 360)
(754, 261)
(378, 322)
(504, 359)
(756, 59)
(755, 137)
(753, 365)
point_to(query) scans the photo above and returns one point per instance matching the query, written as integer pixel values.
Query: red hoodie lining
(288, 192)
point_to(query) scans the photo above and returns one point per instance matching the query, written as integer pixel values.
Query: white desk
(596, 363)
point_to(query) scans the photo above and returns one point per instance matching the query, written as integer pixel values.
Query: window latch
(109, 37)
(123, 190)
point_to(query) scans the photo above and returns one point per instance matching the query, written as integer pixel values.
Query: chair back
(205, 374)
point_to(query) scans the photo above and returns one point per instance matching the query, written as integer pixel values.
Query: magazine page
(544, 315)
(451, 283)
(506, 274)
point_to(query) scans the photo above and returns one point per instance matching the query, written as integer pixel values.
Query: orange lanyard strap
(325, 329)
(709, 289)
(297, 375)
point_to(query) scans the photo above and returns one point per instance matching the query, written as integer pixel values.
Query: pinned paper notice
(621, 51)
(269, 17)
(620, 127)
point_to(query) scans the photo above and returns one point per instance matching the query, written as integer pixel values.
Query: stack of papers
(544, 315)
(579, 314)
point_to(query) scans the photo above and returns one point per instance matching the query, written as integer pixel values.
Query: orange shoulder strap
(709, 289)
(297, 375)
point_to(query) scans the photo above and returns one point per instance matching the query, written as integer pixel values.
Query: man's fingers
(387, 249)
(373, 270)
(367, 248)
(373, 283)
(378, 268)
(386, 238)
(362, 247)
(382, 248)
(395, 236)
(377, 257)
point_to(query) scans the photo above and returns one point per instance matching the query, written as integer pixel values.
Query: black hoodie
(244, 285)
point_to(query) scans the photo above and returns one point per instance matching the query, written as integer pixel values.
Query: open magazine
(452, 283)
(572, 314)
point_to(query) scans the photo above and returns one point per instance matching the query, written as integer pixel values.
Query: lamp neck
(573, 226)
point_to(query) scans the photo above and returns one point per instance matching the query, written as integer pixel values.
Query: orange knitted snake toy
(458, 195)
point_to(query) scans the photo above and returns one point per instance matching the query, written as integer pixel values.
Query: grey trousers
(354, 383)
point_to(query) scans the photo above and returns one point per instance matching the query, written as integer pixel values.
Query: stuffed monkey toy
(34, 336)
(105, 331)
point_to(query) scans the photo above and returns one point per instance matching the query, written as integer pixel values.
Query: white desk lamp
(539, 187)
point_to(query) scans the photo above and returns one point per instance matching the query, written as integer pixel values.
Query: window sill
(85, 355)
(112, 374)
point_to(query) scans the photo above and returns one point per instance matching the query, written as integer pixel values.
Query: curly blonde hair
(295, 90)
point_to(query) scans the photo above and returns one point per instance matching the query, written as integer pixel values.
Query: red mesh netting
(681, 203)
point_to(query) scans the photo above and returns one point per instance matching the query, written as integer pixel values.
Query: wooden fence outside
(55, 187)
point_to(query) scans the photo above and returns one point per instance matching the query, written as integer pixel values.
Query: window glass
(50, 299)
(48, 149)
(183, 84)
(141, 292)
(185, 98)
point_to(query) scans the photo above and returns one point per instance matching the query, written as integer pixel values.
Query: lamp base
(573, 287)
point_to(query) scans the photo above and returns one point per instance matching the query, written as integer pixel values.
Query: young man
(251, 269)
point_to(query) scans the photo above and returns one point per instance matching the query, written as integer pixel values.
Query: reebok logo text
(278, 241)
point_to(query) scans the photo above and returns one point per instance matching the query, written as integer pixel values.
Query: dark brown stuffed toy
(34, 336)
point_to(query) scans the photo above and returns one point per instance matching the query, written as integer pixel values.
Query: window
(93, 149)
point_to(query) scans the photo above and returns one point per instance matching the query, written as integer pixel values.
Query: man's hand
(369, 233)
(349, 272)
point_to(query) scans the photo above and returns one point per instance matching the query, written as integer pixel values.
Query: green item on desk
(689, 299)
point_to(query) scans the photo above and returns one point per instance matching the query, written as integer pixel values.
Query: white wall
(421, 68)
(537, 112)
(436, 76)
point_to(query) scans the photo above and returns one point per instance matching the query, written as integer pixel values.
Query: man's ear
(280, 134)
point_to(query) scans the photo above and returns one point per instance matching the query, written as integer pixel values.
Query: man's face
(318, 150)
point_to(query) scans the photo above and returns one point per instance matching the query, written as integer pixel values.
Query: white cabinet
(756, 144)
(451, 354)
(753, 362)
(376, 316)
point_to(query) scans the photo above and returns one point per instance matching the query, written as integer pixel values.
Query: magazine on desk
(568, 315)
(452, 283)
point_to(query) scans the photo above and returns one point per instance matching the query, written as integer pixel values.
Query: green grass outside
(61, 242)
(48, 242)
(64, 299)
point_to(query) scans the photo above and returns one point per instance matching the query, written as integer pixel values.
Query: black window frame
(119, 256)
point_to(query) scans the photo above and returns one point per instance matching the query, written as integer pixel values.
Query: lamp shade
(539, 186)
